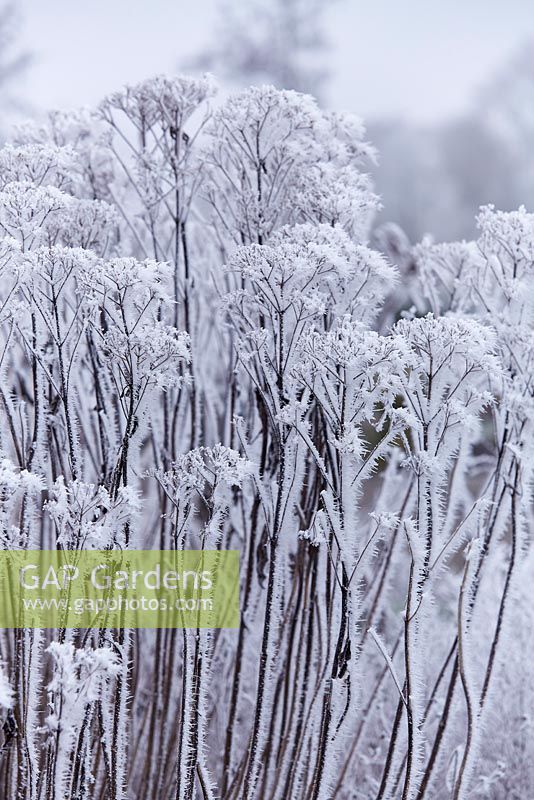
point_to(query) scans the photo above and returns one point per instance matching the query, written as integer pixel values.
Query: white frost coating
(201, 349)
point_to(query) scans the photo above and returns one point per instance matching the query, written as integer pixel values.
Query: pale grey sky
(417, 58)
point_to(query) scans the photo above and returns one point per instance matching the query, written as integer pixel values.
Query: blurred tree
(505, 107)
(13, 61)
(433, 180)
(282, 42)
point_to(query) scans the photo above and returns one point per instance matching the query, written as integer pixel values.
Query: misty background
(446, 89)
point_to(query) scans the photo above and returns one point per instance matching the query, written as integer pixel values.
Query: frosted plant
(142, 360)
(303, 274)
(199, 481)
(302, 277)
(147, 357)
(6, 692)
(260, 138)
(28, 211)
(152, 129)
(53, 325)
(444, 387)
(17, 486)
(198, 352)
(152, 133)
(333, 188)
(87, 517)
(275, 158)
(506, 248)
(78, 682)
(352, 376)
(42, 165)
(445, 273)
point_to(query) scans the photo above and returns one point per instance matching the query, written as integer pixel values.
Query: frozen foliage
(202, 350)
(6, 692)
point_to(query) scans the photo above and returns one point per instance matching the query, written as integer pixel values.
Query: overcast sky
(422, 59)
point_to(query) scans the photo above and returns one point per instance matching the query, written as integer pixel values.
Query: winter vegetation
(200, 346)
(482, 156)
